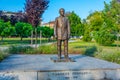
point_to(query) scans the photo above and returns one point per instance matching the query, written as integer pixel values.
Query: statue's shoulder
(56, 18)
(66, 17)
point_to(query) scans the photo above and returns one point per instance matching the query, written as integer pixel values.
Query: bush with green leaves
(109, 56)
(44, 49)
(104, 37)
(90, 51)
(87, 37)
(47, 49)
(3, 54)
(19, 49)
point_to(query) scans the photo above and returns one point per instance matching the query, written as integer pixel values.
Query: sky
(81, 7)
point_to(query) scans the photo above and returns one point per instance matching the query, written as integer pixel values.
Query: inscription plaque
(63, 75)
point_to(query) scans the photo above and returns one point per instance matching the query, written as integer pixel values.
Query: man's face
(62, 12)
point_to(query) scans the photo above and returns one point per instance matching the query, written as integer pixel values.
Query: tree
(92, 24)
(111, 16)
(21, 17)
(95, 21)
(87, 33)
(5, 18)
(23, 29)
(0, 14)
(115, 14)
(112, 11)
(34, 10)
(104, 37)
(13, 20)
(47, 32)
(102, 24)
(1, 27)
(77, 29)
(6, 29)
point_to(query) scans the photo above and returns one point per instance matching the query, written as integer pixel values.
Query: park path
(6, 47)
(31, 67)
(44, 62)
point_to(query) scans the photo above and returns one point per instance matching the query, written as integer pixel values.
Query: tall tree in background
(21, 17)
(104, 24)
(6, 29)
(115, 13)
(77, 29)
(23, 29)
(1, 28)
(34, 10)
(47, 32)
(93, 24)
(0, 13)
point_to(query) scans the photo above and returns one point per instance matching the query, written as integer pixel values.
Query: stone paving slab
(43, 63)
(41, 67)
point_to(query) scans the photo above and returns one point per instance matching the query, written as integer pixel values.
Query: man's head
(62, 12)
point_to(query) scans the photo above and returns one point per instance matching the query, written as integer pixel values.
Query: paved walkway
(6, 47)
(43, 62)
(41, 67)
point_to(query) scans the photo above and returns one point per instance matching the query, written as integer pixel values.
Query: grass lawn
(81, 45)
(17, 41)
(110, 53)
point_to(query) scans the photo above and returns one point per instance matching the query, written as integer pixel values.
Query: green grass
(19, 49)
(45, 49)
(110, 53)
(79, 47)
(17, 41)
(3, 54)
(112, 56)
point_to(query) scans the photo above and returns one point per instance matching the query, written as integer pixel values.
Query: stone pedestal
(55, 59)
(41, 67)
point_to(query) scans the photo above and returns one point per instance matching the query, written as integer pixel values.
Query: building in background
(49, 24)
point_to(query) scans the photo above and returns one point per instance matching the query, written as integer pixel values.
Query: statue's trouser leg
(66, 49)
(59, 48)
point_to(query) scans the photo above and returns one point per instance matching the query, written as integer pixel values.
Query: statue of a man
(62, 33)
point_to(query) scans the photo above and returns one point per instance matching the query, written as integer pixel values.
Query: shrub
(111, 56)
(87, 37)
(104, 37)
(19, 49)
(3, 54)
(90, 51)
(46, 49)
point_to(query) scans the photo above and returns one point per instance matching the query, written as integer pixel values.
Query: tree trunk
(31, 37)
(21, 38)
(48, 39)
(40, 36)
(35, 37)
(118, 39)
(1, 38)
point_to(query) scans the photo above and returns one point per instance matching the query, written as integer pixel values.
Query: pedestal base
(40, 67)
(55, 59)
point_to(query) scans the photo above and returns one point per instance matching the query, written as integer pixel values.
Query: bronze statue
(62, 33)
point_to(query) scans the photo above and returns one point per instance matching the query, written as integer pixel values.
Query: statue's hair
(61, 9)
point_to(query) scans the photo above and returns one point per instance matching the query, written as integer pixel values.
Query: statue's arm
(55, 28)
(68, 23)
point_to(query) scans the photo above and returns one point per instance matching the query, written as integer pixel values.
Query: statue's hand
(68, 36)
(55, 36)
